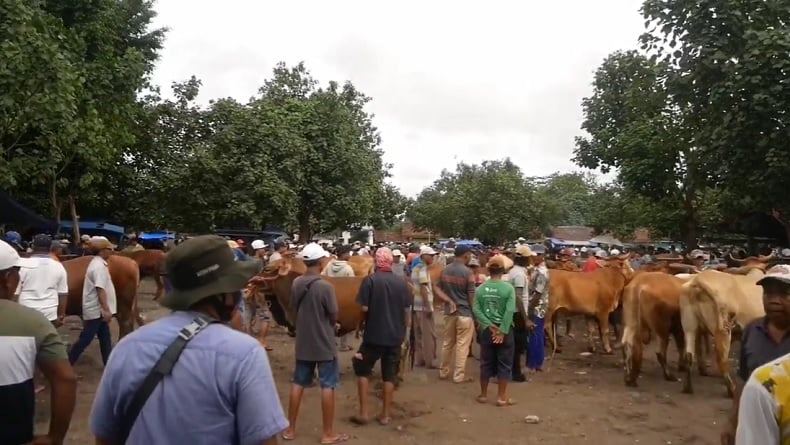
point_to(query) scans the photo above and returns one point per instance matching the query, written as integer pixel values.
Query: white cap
(258, 244)
(521, 238)
(601, 253)
(584, 249)
(8, 256)
(614, 252)
(312, 252)
(427, 250)
(396, 252)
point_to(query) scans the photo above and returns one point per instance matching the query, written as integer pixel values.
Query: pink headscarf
(384, 259)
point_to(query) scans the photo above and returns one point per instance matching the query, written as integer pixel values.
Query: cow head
(622, 264)
(752, 260)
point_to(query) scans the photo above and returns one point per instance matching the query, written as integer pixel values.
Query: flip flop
(465, 380)
(508, 402)
(482, 399)
(288, 436)
(383, 421)
(356, 420)
(340, 438)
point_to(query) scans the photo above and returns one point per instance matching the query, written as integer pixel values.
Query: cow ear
(285, 266)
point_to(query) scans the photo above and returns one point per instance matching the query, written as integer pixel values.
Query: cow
(125, 275)
(150, 262)
(651, 306)
(595, 294)
(712, 302)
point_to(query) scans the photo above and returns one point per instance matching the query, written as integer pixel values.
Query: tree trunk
(75, 220)
(57, 205)
(305, 231)
(690, 221)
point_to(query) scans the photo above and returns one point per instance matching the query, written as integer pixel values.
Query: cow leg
(632, 356)
(590, 333)
(661, 356)
(703, 352)
(676, 331)
(551, 331)
(568, 327)
(160, 287)
(689, 321)
(722, 340)
(603, 322)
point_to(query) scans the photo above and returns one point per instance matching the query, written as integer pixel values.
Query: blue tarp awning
(156, 236)
(471, 243)
(94, 227)
(557, 242)
(15, 213)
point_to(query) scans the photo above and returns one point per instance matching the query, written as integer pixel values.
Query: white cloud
(450, 81)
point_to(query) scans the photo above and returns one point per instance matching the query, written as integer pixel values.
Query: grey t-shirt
(456, 281)
(316, 310)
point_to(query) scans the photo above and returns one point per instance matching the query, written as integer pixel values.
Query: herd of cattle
(691, 309)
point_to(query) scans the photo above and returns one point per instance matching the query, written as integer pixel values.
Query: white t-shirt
(97, 276)
(41, 280)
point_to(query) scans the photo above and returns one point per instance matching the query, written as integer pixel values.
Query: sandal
(356, 420)
(341, 437)
(508, 402)
(482, 399)
(383, 421)
(288, 436)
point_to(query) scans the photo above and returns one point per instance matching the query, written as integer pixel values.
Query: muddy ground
(581, 399)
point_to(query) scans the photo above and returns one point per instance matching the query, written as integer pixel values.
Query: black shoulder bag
(162, 368)
(304, 295)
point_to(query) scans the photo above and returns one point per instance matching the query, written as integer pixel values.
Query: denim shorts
(328, 373)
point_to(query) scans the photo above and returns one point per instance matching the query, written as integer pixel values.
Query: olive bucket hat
(201, 267)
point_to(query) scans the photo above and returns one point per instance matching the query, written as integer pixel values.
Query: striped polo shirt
(26, 336)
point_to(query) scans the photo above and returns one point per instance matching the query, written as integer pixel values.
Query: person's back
(41, 280)
(338, 268)
(213, 395)
(314, 303)
(454, 282)
(388, 297)
(591, 265)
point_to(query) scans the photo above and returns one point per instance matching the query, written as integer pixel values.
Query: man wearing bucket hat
(765, 344)
(219, 378)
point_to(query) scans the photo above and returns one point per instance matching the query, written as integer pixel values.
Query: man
(386, 300)
(424, 323)
(763, 340)
(133, 245)
(259, 249)
(14, 239)
(84, 246)
(279, 249)
(316, 324)
(414, 255)
(220, 388)
(594, 263)
(494, 307)
(43, 284)
(340, 268)
(398, 267)
(98, 301)
(536, 310)
(458, 283)
(518, 277)
(27, 340)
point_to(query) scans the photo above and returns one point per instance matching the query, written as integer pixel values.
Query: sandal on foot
(288, 436)
(383, 421)
(508, 402)
(341, 437)
(356, 420)
(482, 399)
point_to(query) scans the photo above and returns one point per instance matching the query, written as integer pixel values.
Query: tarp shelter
(556, 242)
(96, 228)
(470, 243)
(156, 236)
(12, 212)
(609, 240)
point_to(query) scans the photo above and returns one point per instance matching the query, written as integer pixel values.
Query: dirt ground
(581, 399)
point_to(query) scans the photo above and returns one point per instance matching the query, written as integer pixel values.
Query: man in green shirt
(494, 306)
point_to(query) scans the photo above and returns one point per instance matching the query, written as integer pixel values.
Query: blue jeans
(93, 328)
(328, 373)
(536, 348)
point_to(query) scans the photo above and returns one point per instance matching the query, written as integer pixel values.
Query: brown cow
(150, 263)
(125, 274)
(595, 294)
(651, 305)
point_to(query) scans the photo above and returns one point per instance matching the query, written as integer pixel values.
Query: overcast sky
(451, 81)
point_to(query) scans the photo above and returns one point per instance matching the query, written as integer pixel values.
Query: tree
(635, 124)
(491, 201)
(568, 198)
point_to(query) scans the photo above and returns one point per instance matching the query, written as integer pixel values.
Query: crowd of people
(219, 385)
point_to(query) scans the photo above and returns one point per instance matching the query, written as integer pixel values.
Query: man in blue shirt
(220, 390)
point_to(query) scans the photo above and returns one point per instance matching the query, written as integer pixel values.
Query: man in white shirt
(43, 284)
(98, 301)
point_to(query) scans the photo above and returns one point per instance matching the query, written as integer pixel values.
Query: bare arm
(63, 397)
(102, 299)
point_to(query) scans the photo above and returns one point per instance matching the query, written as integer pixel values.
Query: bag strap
(304, 295)
(164, 366)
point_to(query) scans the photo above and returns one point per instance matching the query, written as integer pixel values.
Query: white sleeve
(63, 280)
(757, 422)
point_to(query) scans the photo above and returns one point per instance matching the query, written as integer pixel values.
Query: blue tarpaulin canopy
(556, 242)
(95, 228)
(467, 242)
(156, 236)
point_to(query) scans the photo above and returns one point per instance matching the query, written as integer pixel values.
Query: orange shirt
(591, 265)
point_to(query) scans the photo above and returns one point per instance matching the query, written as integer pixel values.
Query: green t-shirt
(495, 304)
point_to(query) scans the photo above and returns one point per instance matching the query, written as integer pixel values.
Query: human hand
(498, 339)
(337, 327)
(453, 307)
(106, 315)
(530, 326)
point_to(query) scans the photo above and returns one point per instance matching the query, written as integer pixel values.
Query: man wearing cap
(14, 239)
(220, 388)
(458, 283)
(259, 249)
(279, 249)
(84, 248)
(536, 310)
(133, 245)
(43, 284)
(518, 276)
(28, 340)
(763, 341)
(316, 324)
(595, 262)
(98, 301)
(340, 268)
(424, 323)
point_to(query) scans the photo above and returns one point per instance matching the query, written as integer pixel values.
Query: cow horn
(735, 260)
(767, 258)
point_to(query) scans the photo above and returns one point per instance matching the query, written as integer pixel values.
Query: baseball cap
(780, 272)
(8, 257)
(13, 237)
(499, 262)
(461, 250)
(42, 241)
(427, 250)
(397, 252)
(697, 253)
(524, 251)
(600, 253)
(101, 242)
(614, 252)
(312, 252)
(258, 244)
